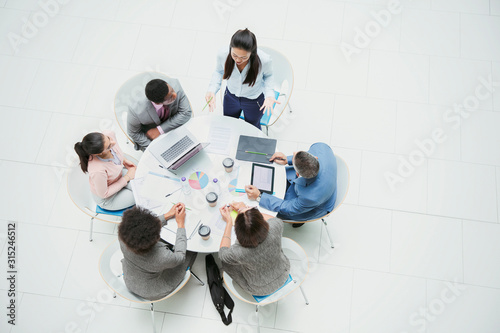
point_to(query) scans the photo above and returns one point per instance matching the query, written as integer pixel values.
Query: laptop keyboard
(178, 148)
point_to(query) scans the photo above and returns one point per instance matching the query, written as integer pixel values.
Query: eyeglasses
(237, 57)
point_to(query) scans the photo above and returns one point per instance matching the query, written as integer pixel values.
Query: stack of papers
(150, 191)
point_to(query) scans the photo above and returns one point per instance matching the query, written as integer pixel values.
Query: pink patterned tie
(165, 113)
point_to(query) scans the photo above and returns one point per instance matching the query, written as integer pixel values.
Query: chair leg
(196, 277)
(91, 228)
(257, 313)
(153, 317)
(328, 232)
(304, 294)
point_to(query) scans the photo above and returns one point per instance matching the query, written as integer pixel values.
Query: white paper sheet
(220, 140)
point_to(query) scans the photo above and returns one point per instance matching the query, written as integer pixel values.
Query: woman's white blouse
(263, 84)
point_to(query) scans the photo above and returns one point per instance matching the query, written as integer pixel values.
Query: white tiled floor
(416, 241)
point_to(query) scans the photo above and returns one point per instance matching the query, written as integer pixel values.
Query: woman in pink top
(103, 159)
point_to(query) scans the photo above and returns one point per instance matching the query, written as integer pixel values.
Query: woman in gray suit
(150, 268)
(256, 261)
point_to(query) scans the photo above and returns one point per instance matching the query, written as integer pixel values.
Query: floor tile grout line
(67, 267)
(72, 59)
(498, 199)
(135, 48)
(32, 81)
(44, 136)
(463, 256)
(352, 299)
(404, 275)
(426, 302)
(390, 242)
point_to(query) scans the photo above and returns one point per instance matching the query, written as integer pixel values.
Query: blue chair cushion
(120, 212)
(266, 116)
(261, 298)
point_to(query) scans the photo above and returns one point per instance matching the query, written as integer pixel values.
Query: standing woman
(109, 171)
(249, 76)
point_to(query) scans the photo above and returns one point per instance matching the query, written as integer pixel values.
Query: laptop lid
(173, 146)
(186, 157)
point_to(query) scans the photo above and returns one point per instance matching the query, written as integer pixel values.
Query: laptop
(176, 148)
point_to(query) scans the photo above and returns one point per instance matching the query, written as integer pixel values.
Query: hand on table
(180, 214)
(153, 133)
(225, 212)
(268, 105)
(237, 205)
(171, 213)
(252, 192)
(211, 104)
(128, 164)
(279, 158)
(131, 172)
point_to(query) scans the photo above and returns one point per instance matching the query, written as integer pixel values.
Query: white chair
(79, 191)
(110, 268)
(342, 189)
(299, 268)
(283, 81)
(131, 92)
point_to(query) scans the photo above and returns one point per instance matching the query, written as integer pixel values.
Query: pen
(184, 206)
(194, 229)
(240, 190)
(161, 166)
(173, 192)
(207, 103)
(255, 152)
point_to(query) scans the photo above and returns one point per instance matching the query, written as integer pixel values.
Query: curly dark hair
(139, 230)
(251, 228)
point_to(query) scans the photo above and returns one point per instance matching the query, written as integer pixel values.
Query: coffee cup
(212, 199)
(228, 164)
(204, 232)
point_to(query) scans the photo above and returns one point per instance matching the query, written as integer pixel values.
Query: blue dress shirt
(307, 198)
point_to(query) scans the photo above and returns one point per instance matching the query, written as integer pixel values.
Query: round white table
(206, 165)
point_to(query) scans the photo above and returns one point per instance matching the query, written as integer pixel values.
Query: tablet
(263, 177)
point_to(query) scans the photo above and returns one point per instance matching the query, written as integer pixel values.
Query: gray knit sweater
(155, 274)
(261, 270)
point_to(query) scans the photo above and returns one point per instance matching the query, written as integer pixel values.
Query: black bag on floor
(220, 297)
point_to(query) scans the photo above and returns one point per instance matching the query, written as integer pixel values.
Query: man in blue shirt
(312, 180)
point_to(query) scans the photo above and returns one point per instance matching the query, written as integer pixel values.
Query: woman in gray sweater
(256, 261)
(150, 268)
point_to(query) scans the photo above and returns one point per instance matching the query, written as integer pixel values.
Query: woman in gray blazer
(150, 268)
(256, 261)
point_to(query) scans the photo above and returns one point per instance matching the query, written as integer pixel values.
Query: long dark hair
(92, 143)
(251, 228)
(245, 40)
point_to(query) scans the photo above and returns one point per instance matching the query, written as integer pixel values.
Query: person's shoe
(297, 225)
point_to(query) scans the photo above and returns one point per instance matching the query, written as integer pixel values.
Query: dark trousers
(233, 106)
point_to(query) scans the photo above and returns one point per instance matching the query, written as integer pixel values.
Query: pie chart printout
(232, 188)
(198, 180)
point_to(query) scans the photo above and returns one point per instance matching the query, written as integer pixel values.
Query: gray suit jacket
(142, 116)
(157, 273)
(261, 270)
